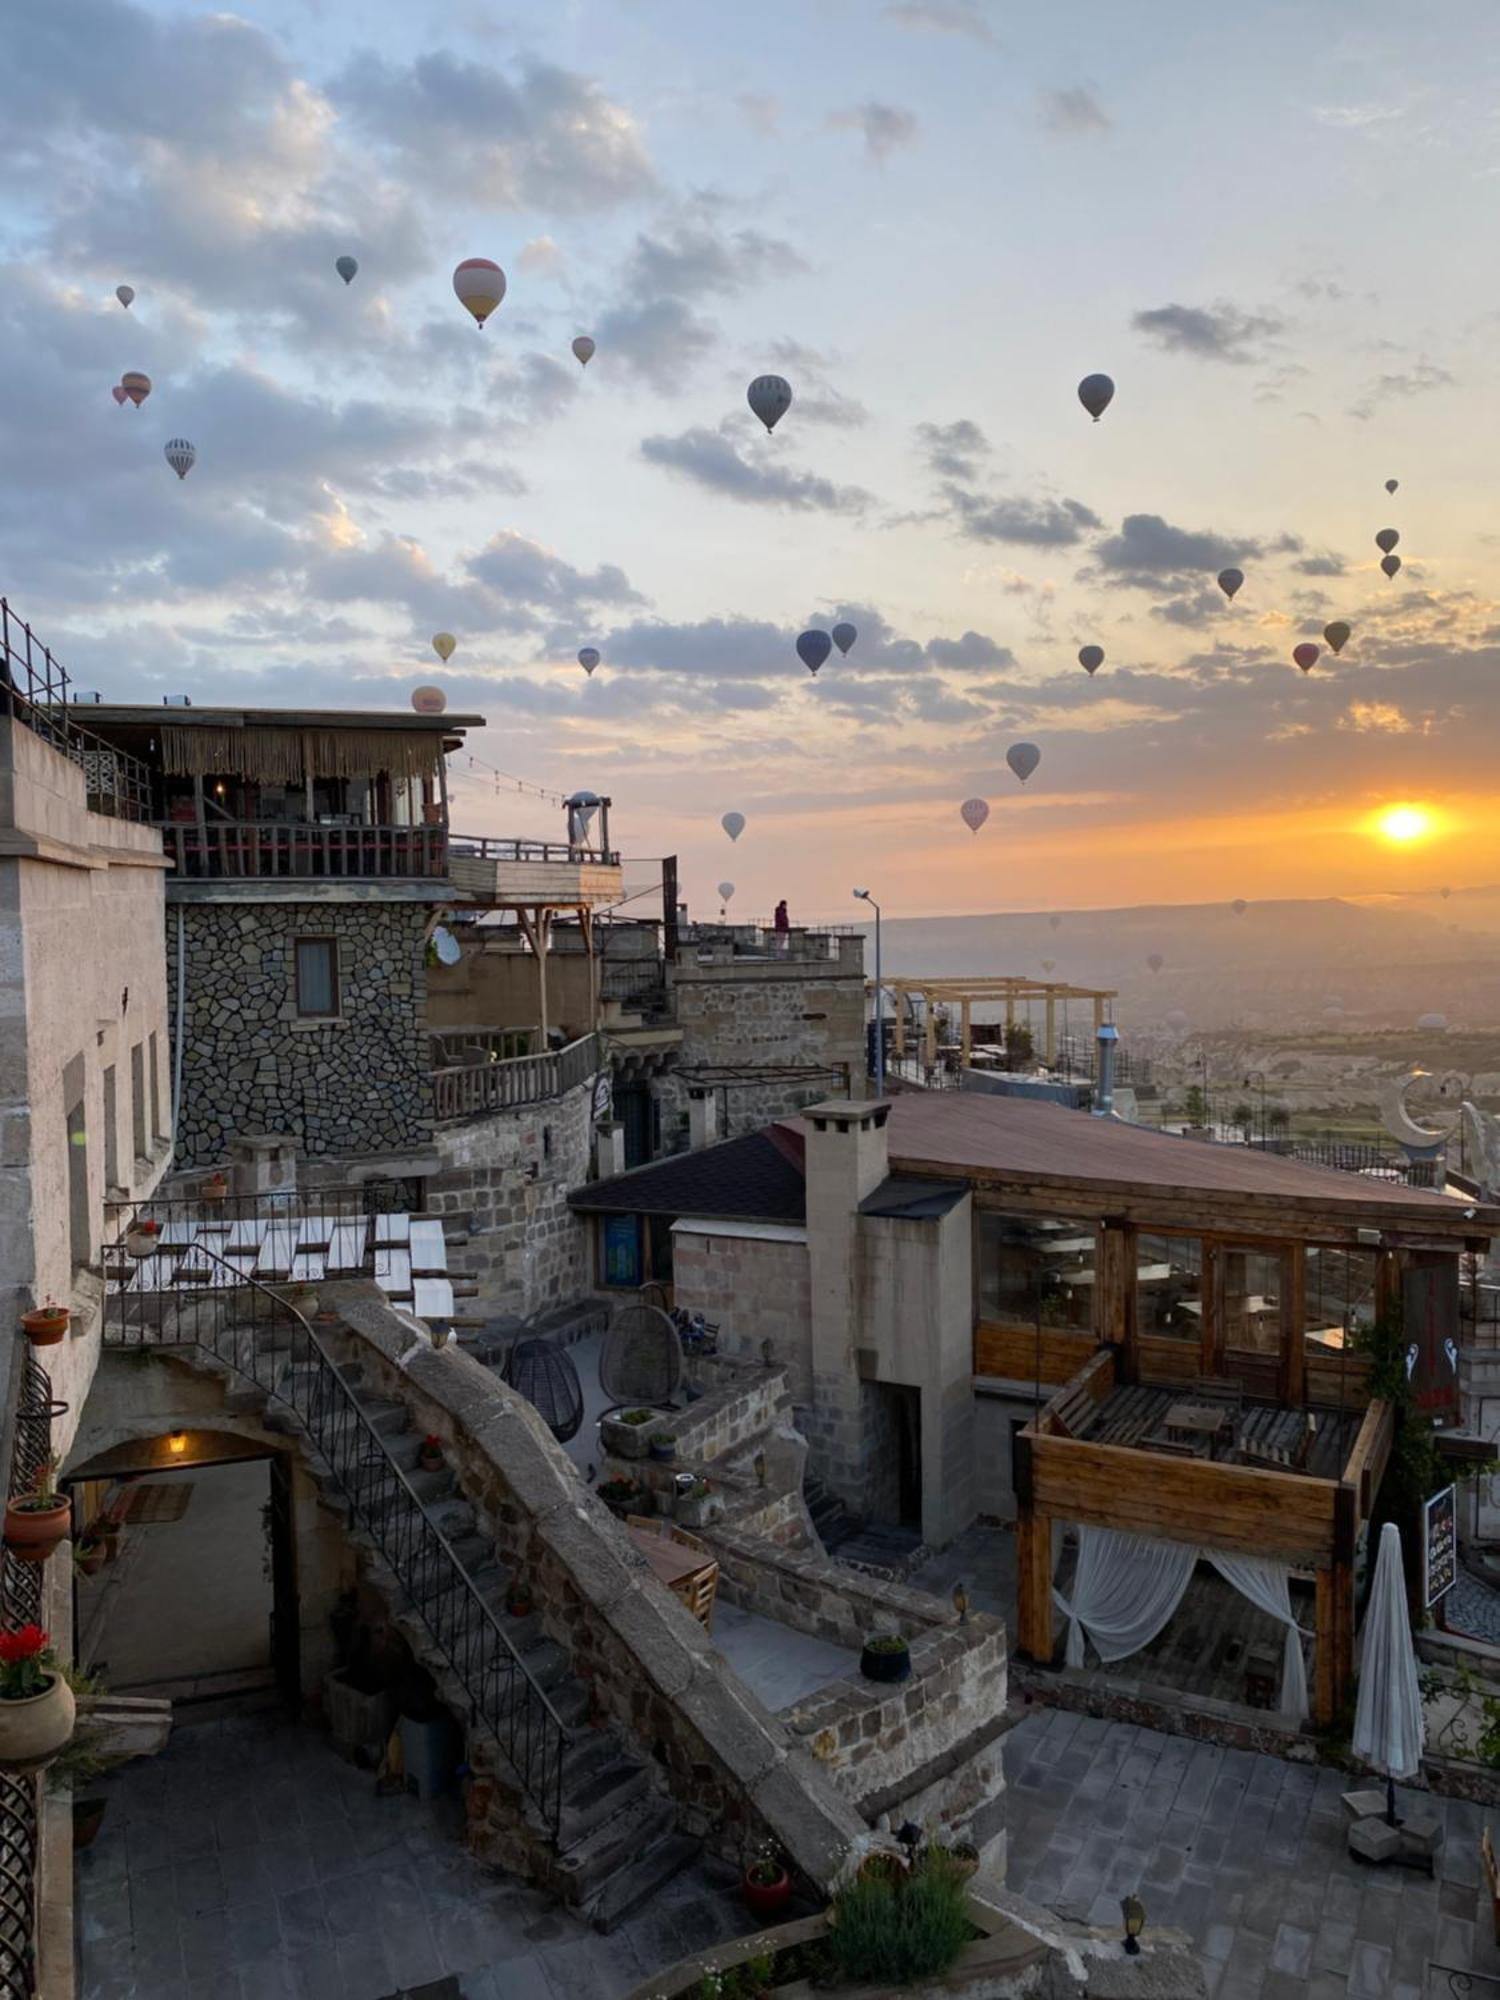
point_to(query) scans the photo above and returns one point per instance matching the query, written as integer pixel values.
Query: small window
(138, 1098)
(317, 976)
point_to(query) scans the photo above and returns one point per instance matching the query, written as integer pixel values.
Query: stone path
(249, 1862)
(1244, 1853)
(1473, 1608)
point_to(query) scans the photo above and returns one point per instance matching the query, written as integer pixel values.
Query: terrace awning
(269, 756)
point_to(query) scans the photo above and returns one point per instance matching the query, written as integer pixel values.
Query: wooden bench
(1491, 1877)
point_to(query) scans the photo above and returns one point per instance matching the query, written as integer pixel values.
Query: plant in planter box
(664, 1447)
(627, 1433)
(430, 1455)
(215, 1188)
(699, 1504)
(885, 1656)
(901, 1929)
(45, 1325)
(618, 1495)
(37, 1709)
(37, 1521)
(766, 1884)
(89, 1554)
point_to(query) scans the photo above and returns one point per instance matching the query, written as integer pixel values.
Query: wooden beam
(1333, 1666)
(1211, 1299)
(1255, 1220)
(1051, 1028)
(1371, 1454)
(965, 1030)
(1115, 1318)
(1293, 1380)
(1034, 1585)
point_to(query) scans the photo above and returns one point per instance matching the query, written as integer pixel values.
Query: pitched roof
(754, 1179)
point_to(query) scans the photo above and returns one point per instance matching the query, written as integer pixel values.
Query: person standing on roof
(782, 924)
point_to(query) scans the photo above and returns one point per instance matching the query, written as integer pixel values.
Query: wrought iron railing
(466, 1090)
(35, 691)
(250, 1328)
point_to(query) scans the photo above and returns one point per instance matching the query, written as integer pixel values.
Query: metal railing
(35, 692)
(250, 1328)
(473, 847)
(465, 1090)
(256, 849)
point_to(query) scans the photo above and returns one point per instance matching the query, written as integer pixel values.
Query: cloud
(540, 137)
(1375, 717)
(971, 653)
(662, 341)
(1198, 610)
(942, 17)
(1326, 564)
(1148, 552)
(883, 126)
(818, 399)
(542, 258)
(1074, 112)
(1402, 384)
(712, 459)
(1048, 524)
(692, 259)
(760, 111)
(953, 451)
(530, 574)
(1219, 332)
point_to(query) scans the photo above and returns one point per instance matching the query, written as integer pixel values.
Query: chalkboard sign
(1439, 1546)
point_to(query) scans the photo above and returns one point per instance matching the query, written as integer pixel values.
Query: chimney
(703, 1119)
(609, 1149)
(1104, 1086)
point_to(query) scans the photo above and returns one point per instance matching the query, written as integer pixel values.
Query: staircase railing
(249, 1327)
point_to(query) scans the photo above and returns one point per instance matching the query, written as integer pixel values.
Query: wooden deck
(1135, 1416)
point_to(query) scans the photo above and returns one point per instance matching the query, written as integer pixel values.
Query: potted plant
(36, 1704)
(37, 1521)
(143, 1239)
(430, 1453)
(440, 1334)
(699, 1504)
(215, 1188)
(627, 1433)
(766, 1884)
(110, 1534)
(664, 1447)
(45, 1325)
(619, 1496)
(89, 1553)
(518, 1598)
(885, 1656)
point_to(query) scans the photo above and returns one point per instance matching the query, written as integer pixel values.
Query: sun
(1403, 825)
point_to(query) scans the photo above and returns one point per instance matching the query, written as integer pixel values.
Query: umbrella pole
(1390, 1801)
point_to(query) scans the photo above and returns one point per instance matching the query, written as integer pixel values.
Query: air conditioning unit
(177, 701)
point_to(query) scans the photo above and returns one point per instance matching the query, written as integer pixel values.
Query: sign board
(1439, 1545)
(601, 1096)
(1429, 1322)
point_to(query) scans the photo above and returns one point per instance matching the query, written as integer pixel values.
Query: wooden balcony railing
(260, 849)
(468, 1089)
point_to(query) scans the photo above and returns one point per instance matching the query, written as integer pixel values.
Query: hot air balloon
(428, 700)
(346, 268)
(1437, 1023)
(1306, 655)
(118, 393)
(1391, 485)
(1387, 539)
(1177, 1019)
(1337, 635)
(125, 293)
(1230, 581)
(733, 824)
(1096, 393)
(583, 350)
(1023, 759)
(770, 397)
(479, 287)
(1445, 894)
(443, 644)
(588, 658)
(180, 455)
(1155, 961)
(813, 649)
(1055, 923)
(726, 892)
(1091, 658)
(136, 386)
(1390, 564)
(974, 813)
(1239, 906)
(1049, 965)
(843, 637)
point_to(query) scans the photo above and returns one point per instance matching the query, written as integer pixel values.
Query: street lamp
(864, 896)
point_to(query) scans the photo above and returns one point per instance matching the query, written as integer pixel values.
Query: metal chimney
(1104, 1084)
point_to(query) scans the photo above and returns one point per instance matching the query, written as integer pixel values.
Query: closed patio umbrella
(1388, 1718)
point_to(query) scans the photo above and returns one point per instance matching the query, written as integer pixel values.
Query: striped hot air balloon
(479, 286)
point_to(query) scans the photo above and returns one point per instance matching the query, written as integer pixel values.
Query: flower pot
(622, 1440)
(664, 1450)
(45, 1326)
(517, 1604)
(877, 1663)
(110, 1534)
(89, 1558)
(430, 1461)
(142, 1242)
(216, 1188)
(33, 1731)
(764, 1899)
(88, 1817)
(32, 1533)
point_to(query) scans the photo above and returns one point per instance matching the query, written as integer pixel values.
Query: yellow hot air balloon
(479, 286)
(443, 644)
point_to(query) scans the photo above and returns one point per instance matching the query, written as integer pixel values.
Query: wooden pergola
(1012, 989)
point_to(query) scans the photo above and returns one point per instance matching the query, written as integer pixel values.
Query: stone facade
(504, 1180)
(356, 1084)
(750, 1280)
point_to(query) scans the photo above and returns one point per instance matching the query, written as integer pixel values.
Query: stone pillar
(609, 1149)
(846, 1160)
(703, 1119)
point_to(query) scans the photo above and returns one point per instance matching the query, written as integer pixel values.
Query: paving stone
(1291, 1951)
(1369, 1971)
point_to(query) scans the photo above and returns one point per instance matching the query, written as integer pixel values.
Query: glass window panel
(317, 976)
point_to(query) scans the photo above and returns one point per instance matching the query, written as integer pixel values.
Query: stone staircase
(879, 1549)
(616, 1841)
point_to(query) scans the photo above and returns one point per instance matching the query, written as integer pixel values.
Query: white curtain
(1268, 1585)
(1126, 1589)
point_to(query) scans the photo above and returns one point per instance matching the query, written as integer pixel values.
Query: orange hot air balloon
(136, 386)
(479, 286)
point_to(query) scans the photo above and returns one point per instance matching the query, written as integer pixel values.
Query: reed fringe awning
(279, 756)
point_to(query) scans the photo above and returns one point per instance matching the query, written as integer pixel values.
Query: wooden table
(682, 1570)
(1187, 1421)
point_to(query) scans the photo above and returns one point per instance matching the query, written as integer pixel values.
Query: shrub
(637, 1416)
(898, 1932)
(885, 1642)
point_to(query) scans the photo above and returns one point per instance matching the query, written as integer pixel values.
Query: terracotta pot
(90, 1560)
(31, 1533)
(34, 1731)
(430, 1461)
(216, 1189)
(764, 1899)
(46, 1326)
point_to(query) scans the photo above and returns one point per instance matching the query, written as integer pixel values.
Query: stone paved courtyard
(249, 1862)
(1244, 1853)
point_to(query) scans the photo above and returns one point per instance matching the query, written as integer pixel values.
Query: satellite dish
(446, 945)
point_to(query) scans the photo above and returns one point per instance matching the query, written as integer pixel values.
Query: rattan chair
(546, 1377)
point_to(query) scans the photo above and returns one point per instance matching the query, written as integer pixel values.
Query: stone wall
(356, 1084)
(750, 1280)
(505, 1179)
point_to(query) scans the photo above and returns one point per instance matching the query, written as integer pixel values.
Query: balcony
(278, 850)
(483, 1080)
(500, 874)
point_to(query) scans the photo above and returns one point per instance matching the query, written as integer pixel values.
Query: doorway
(908, 1418)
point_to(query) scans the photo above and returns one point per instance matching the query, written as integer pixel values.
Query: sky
(932, 217)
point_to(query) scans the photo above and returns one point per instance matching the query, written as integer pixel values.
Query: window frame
(335, 980)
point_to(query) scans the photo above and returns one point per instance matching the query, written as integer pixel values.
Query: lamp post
(864, 896)
(1257, 1077)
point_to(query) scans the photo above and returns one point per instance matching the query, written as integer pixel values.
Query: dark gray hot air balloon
(1390, 564)
(733, 824)
(1387, 539)
(1239, 906)
(1091, 658)
(1023, 759)
(813, 649)
(347, 269)
(1155, 960)
(1096, 393)
(974, 813)
(1230, 580)
(1391, 485)
(125, 293)
(583, 350)
(770, 397)
(844, 637)
(1337, 635)
(588, 658)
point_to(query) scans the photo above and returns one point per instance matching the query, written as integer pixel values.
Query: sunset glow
(1404, 825)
